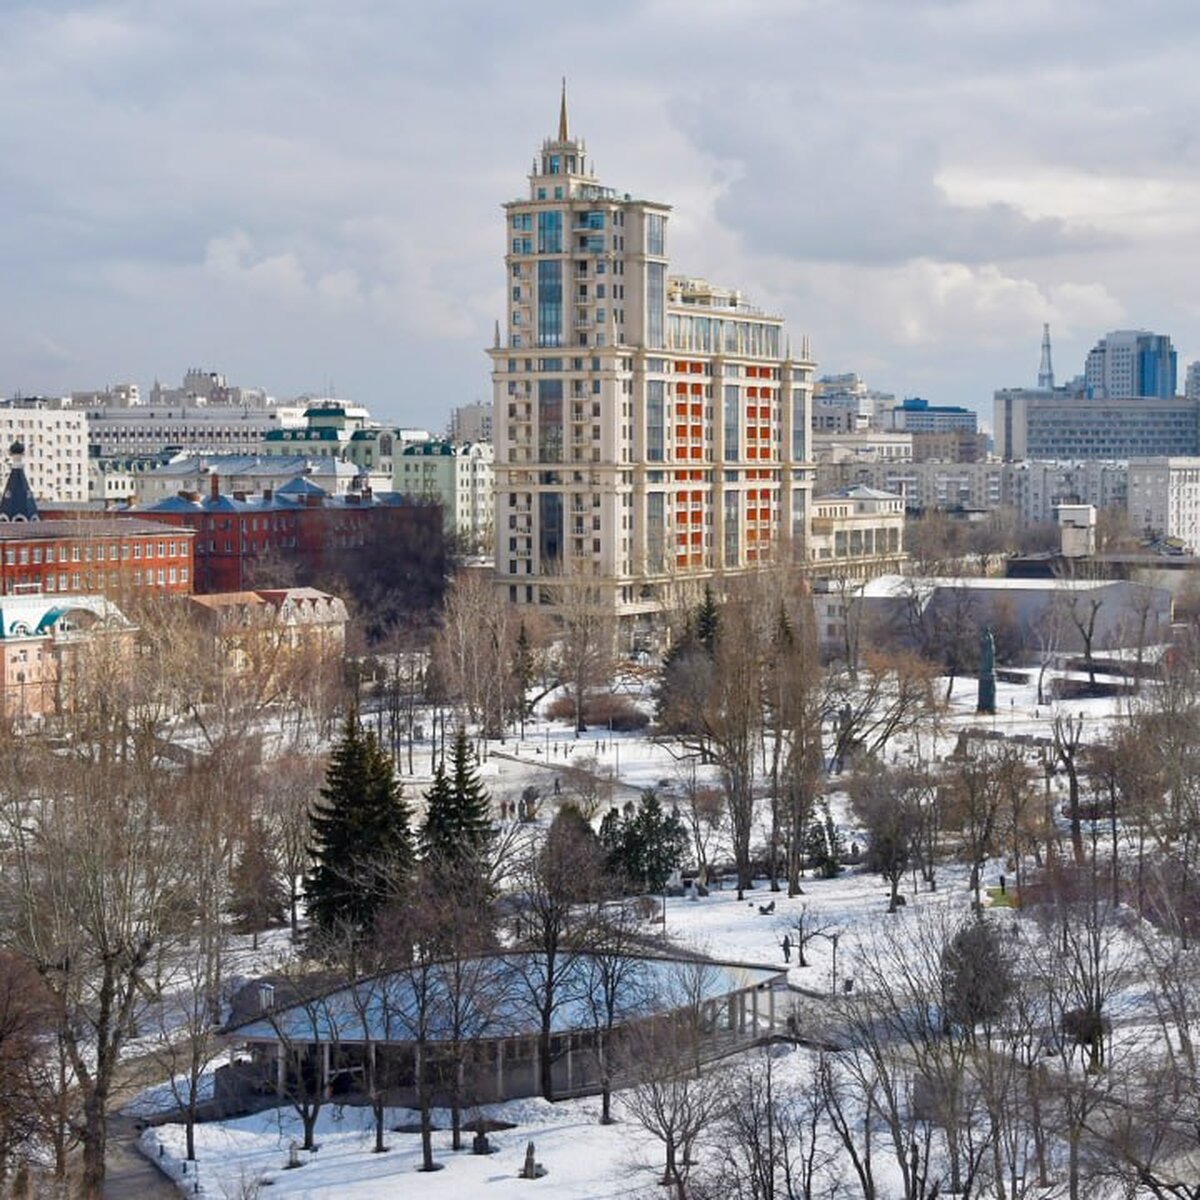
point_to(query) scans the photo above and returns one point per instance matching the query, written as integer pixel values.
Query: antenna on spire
(562, 113)
(1046, 370)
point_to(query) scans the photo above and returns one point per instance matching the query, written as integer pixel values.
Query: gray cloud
(292, 191)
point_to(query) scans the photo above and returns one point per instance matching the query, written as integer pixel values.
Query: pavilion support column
(499, 1069)
(754, 1010)
(280, 1068)
(771, 1008)
(570, 1061)
(326, 1087)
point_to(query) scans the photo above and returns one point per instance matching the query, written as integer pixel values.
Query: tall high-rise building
(1131, 363)
(649, 428)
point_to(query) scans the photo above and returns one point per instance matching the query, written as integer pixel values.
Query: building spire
(1046, 370)
(562, 113)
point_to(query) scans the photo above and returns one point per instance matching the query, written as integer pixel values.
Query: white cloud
(292, 187)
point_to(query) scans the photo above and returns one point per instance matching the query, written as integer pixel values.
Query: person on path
(787, 948)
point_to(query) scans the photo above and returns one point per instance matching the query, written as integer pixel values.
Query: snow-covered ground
(586, 1161)
(583, 1160)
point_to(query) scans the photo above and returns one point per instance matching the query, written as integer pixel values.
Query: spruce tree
(361, 839)
(645, 844)
(708, 621)
(522, 674)
(458, 821)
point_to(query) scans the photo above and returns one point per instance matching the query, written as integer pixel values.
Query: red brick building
(241, 540)
(115, 557)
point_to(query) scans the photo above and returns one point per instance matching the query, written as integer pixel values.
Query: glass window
(732, 422)
(550, 420)
(654, 233)
(655, 304)
(549, 233)
(655, 420)
(549, 303)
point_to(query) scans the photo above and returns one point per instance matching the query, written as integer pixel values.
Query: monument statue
(987, 672)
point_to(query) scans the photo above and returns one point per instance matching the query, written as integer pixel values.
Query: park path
(128, 1174)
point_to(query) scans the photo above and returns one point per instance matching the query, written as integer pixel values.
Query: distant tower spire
(1046, 370)
(496, 336)
(562, 113)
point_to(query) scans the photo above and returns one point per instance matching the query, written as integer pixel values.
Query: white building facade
(54, 436)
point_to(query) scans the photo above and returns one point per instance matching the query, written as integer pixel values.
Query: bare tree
(615, 983)
(670, 1101)
(553, 882)
(26, 1025)
(289, 787)
(775, 1142)
(885, 803)
(1068, 749)
(584, 651)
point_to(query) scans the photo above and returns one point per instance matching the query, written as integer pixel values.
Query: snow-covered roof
(385, 1008)
(892, 586)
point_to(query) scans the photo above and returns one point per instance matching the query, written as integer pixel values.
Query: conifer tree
(362, 847)
(645, 844)
(458, 823)
(522, 674)
(708, 621)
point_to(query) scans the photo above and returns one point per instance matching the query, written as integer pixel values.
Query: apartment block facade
(460, 478)
(649, 428)
(54, 443)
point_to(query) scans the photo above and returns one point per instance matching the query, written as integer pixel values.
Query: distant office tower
(650, 429)
(471, 422)
(1191, 387)
(1131, 363)
(1124, 406)
(915, 415)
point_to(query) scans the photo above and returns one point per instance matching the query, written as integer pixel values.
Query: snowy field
(584, 1160)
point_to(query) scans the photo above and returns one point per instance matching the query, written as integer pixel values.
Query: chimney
(214, 486)
(268, 493)
(266, 997)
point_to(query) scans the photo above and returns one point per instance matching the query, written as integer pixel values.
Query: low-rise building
(857, 533)
(43, 640)
(284, 637)
(865, 445)
(118, 558)
(151, 478)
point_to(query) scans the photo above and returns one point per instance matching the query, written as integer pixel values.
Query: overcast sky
(304, 194)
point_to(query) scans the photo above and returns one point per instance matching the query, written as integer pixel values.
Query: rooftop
(375, 1009)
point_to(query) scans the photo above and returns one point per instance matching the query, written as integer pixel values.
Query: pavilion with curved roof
(488, 1029)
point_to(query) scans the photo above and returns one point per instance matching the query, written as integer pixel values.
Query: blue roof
(497, 1002)
(301, 487)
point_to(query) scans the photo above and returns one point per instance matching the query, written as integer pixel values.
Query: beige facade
(44, 641)
(649, 428)
(857, 533)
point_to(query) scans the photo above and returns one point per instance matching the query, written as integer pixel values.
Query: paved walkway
(129, 1175)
